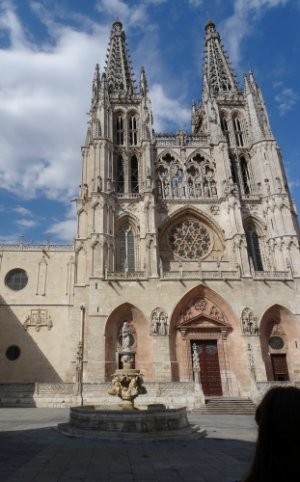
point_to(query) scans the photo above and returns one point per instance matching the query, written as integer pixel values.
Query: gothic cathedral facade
(189, 240)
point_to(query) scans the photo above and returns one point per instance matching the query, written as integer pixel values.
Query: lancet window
(233, 169)
(126, 251)
(245, 176)
(133, 133)
(253, 248)
(119, 130)
(134, 175)
(237, 124)
(225, 128)
(120, 174)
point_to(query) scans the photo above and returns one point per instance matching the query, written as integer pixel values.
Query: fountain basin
(154, 420)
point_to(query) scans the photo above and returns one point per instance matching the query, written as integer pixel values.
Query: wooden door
(280, 368)
(209, 367)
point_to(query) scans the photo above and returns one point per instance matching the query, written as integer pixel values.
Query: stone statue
(127, 338)
(249, 322)
(159, 322)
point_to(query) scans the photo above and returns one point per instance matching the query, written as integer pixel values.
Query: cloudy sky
(48, 51)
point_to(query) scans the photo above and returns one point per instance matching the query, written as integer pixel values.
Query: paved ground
(31, 450)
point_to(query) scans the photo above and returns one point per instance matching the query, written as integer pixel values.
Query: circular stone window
(276, 342)
(13, 352)
(16, 279)
(189, 240)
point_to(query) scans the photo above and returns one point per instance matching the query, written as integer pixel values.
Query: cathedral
(185, 261)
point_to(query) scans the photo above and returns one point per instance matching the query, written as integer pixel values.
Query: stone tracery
(193, 180)
(189, 239)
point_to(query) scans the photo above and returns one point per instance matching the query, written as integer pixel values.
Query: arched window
(238, 131)
(225, 129)
(126, 259)
(119, 130)
(245, 176)
(253, 248)
(234, 176)
(120, 174)
(132, 130)
(134, 175)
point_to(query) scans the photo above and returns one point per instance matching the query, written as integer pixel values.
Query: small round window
(16, 279)
(276, 342)
(13, 352)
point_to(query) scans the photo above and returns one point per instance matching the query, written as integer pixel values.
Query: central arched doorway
(199, 331)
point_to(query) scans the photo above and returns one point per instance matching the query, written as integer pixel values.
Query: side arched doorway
(279, 335)
(199, 331)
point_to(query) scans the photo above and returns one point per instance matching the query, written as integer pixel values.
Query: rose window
(189, 240)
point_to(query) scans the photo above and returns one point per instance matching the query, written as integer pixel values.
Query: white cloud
(23, 211)
(134, 15)
(65, 230)
(286, 100)
(166, 110)
(26, 223)
(43, 101)
(240, 24)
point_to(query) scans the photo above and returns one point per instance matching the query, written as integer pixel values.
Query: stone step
(228, 405)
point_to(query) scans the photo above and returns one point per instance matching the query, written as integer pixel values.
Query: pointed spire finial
(118, 69)
(217, 69)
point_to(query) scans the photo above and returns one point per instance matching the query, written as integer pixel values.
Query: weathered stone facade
(190, 238)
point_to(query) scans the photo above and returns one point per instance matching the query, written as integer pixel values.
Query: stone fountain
(127, 384)
(126, 420)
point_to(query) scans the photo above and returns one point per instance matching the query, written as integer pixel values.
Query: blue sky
(48, 51)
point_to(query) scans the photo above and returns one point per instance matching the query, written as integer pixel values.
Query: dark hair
(277, 452)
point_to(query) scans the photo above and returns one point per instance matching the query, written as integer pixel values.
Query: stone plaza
(31, 450)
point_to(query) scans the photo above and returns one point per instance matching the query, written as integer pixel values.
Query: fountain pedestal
(127, 384)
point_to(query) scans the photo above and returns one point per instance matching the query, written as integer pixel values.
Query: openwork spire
(119, 72)
(217, 70)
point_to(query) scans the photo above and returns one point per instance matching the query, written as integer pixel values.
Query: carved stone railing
(36, 247)
(171, 139)
(222, 275)
(272, 275)
(126, 275)
(128, 195)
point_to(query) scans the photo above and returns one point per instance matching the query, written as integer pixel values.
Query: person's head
(278, 443)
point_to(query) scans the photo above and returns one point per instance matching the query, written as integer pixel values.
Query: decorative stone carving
(191, 180)
(189, 239)
(127, 383)
(38, 318)
(127, 337)
(249, 322)
(195, 358)
(159, 322)
(214, 209)
(203, 306)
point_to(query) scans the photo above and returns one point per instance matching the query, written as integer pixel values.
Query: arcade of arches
(204, 336)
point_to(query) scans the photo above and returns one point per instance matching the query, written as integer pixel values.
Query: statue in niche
(213, 189)
(159, 322)
(278, 184)
(267, 184)
(84, 191)
(127, 338)
(249, 322)
(99, 183)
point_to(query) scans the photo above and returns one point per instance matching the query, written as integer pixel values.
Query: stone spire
(217, 69)
(119, 72)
